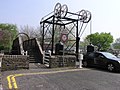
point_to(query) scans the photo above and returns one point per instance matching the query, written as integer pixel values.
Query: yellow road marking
(9, 81)
(52, 72)
(13, 84)
(12, 81)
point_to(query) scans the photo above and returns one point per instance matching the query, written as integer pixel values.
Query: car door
(99, 59)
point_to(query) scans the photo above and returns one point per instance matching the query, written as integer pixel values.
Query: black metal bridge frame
(49, 21)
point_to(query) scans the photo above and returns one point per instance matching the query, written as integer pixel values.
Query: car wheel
(85, 64)
(111, 67)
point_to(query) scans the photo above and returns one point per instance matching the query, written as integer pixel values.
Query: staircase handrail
(40, 48)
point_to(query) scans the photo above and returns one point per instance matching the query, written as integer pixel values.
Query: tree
(116, 45)
(31, 31)
(8, 33)
(102, 40)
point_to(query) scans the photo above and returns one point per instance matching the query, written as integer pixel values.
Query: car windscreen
(108, 55)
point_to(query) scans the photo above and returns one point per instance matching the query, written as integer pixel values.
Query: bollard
(26, 53)
(80, 60)
(1, 56)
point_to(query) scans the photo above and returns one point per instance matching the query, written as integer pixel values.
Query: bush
(1, 48)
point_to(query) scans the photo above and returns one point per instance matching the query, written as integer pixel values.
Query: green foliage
(116, 45)
(102, 40)
(1, 47)
(7, 35)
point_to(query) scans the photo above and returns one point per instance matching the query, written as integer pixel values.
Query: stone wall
(14, 62)
(58, 61)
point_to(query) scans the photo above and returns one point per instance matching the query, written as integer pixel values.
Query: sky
(105, 13)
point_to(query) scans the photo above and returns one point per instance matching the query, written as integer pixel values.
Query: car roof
(102, 52)
(98, 52)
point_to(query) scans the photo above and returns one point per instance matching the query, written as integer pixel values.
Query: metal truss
(62, 21)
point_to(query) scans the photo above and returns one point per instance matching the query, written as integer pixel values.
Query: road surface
(61, 79)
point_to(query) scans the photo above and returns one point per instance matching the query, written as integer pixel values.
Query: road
(64, 79)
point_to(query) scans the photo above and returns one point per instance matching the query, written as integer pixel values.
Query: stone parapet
(60, 61)
(14, 62)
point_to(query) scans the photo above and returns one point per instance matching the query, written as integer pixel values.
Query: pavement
(35, 67)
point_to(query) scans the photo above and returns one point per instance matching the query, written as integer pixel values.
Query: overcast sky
(105, 13)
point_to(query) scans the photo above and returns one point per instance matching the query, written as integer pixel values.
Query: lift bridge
(61, 31)
(63, 26)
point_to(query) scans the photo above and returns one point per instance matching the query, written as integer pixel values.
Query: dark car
(102, 59)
